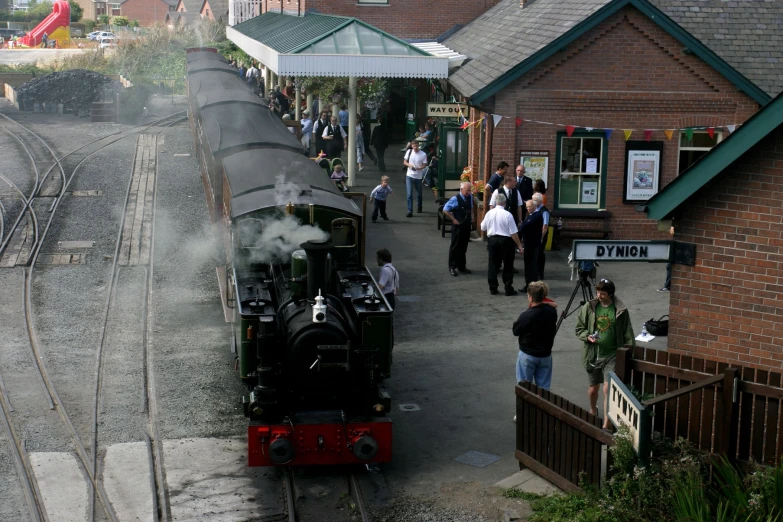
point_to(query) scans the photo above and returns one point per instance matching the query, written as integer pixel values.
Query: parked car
(104, 34)
(108, 41)
(93, 35)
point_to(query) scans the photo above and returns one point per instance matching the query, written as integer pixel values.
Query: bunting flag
(627, 133)
(669, 133)
(731, 128)
(608, 133)
(518, 121)
(689, 134)
(589, 129)
(480, 122)
(570, 130)
(496, 119)
(647, 135)
(465, 125)
(711, 132)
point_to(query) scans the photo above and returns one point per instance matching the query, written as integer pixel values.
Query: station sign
(625, 410)
(599, 250)
(445, 110)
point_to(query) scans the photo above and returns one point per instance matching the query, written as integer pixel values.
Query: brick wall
(147, 12)
(729, 306)
(402, 18)
(625, 73)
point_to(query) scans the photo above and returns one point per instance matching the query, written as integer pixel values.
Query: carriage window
(250, 233)
(344, 232)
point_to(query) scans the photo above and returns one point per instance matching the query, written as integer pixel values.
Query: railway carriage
(311, 330)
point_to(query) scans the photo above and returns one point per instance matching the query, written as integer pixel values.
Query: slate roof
(191, 6)
(747, 34)
(219, 7)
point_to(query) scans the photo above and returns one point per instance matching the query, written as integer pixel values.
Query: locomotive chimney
(317, 267)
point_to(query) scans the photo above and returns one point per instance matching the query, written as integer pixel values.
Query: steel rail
(288, 486)
(353, 484)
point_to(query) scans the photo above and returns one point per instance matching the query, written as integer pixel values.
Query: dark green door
(411, 98)
(453, 157)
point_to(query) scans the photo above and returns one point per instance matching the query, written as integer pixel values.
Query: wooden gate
(559, 440)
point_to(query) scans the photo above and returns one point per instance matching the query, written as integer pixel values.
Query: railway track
(88, 461)
(345, 484)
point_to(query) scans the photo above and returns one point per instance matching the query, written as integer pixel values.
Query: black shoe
(419, 210)
(465, 271)
(409, 214)
(385, 218)
(514, 270)
(523, 289)
(493, 291)
(453, 272)
(511, 291)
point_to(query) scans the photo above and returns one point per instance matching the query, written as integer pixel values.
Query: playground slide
(57, 26)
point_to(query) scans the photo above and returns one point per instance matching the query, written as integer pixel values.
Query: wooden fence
(738, 415)
(559, 440)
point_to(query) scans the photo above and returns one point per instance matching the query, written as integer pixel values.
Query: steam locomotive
(311, 329)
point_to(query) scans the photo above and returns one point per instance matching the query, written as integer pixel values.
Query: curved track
(88, 462)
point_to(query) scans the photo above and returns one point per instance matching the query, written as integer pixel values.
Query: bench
(599, 231)
(444, 225)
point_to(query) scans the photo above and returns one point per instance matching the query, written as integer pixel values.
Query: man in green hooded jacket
(604, 325)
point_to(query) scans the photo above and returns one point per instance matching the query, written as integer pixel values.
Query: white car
(104, 34)
(108, 41)
(93, 35)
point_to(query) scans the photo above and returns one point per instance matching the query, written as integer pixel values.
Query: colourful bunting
(570, 130)
(669, 133)
(518, 121)
(589, 129)
(608, 133)
(731, 128)
(689, 134)
(711, 132)
(647, 135)
(627, 133)
(465, 125)
(496, 119)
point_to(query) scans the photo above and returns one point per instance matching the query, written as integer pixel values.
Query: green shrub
(120, 21)
(89, 26)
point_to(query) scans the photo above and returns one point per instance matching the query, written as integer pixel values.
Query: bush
(77, 11)
(89, 26)
(120, 21)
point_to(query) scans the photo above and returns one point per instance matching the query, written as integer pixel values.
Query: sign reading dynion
(597, 250)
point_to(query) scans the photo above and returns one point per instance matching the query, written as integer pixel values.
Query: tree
(77, 11)
(103, 20)
(133, 23)
(120, 21)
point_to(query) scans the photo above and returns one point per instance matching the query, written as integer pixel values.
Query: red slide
(59, 19)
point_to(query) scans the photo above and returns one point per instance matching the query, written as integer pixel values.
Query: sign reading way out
(444, 110)
(597, 250)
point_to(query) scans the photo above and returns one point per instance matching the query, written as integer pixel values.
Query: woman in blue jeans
(536, 328)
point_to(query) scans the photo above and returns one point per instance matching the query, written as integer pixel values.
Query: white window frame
(601, 173)
(372, 2)
(680, 148)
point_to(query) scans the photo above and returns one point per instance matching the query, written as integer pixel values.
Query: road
(26, 56)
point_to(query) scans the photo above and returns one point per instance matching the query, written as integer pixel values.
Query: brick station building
(729, 305)
(685, 71)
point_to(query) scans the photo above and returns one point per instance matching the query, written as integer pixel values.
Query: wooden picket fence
(732, 411)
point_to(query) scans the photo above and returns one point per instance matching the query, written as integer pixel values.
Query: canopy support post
(297, 101)
(351, 131)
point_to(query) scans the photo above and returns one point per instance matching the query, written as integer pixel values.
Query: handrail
(684, 390)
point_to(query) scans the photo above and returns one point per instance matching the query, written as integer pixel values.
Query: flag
(465, 125)
(711, 132)
(731, 128)
(589, 129)
(518, 121)
(570, 130)
(669, 133)
(608, 133)
(647, 135)
(496, 119)
(689, 134)
(627, 133)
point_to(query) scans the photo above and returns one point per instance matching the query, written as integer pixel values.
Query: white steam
(275, 240)
(285, 191)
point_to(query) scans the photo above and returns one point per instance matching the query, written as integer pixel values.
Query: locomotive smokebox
(317, 266)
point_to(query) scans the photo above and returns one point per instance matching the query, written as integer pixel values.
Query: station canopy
(327, 45)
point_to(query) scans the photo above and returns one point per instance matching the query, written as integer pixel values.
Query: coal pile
(75, 89)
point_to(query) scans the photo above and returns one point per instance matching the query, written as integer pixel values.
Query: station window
(691, 150)
(580, 171)
(376, 2)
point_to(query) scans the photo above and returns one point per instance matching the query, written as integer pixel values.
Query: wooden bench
(444, 225)
(599, 231)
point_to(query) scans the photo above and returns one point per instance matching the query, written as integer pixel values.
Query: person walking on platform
(318, 133)
(335, 138)
(536, 328)
(380, 140)
(603, 325)
(459, 209)
(416, 161)
(531, 240)
(378, 196)
(501, 229)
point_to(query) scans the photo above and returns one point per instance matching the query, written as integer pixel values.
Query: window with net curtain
(580, 171)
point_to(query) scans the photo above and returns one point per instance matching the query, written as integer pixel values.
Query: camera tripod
(587, 295)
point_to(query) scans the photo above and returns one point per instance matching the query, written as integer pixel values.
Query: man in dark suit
(531, 241)
(524, 186)
(380, 140)
(318, 131)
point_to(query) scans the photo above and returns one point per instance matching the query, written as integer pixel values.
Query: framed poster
(589, 192)
(536, 164)
(642, 170)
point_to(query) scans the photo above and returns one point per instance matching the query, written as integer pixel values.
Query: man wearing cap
(604, 325)
(307, 130)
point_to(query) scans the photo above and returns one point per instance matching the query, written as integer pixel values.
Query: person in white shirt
(416, 161)
(514, 201)
(307, 129)
(501, 229)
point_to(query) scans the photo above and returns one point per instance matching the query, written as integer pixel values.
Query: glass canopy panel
(370, 41)
(325, 46)
(395, 48)
(347, 41)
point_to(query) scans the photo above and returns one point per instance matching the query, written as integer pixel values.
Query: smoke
(273, 240)
(285, 191)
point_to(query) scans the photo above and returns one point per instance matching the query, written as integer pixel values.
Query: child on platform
(379, 195)
(339, 176)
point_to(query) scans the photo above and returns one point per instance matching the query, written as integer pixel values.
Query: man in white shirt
(307, 129)
(416, 161)
(501, 229)
(514, 201)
